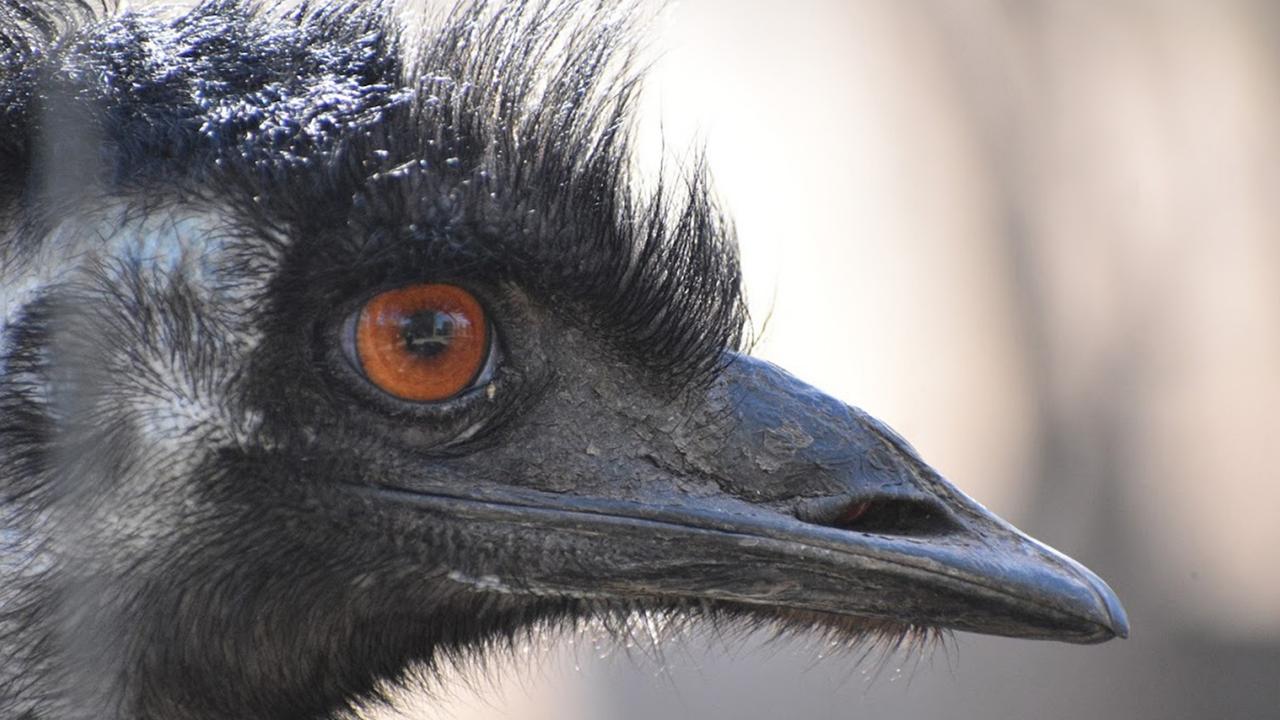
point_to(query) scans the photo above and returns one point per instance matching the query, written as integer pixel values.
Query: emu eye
(422, 343)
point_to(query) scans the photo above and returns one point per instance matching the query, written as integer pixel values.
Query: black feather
(492, 144)
(499, 139)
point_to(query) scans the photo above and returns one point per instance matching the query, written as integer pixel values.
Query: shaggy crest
(498, 141)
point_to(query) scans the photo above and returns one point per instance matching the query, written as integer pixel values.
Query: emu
(331, 348)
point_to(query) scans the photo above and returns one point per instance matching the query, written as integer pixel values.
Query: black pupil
(427, 333)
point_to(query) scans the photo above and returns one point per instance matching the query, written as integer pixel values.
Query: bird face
(320, 362)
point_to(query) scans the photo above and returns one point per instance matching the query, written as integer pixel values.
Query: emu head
(326, 352)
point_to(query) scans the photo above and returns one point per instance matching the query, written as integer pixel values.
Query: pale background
(1042, 240)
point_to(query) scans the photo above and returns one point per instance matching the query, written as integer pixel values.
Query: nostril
(882, 516)
(851, 514)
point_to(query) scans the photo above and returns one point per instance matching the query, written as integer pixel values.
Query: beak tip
(1091, 597)
(1119, 620)
(1105, 609)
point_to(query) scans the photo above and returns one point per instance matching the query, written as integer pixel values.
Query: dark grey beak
(768, 496)
(924, 552)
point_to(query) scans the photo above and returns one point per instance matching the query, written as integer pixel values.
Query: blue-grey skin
(208, 510)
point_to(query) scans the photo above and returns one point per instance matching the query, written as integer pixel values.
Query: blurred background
(1042, 240)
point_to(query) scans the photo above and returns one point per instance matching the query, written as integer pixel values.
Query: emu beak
(923, 551)
(770, 497)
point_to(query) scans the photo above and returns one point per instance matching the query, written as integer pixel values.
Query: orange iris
(423, 343)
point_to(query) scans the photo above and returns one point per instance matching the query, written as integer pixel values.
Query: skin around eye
(422, 343)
